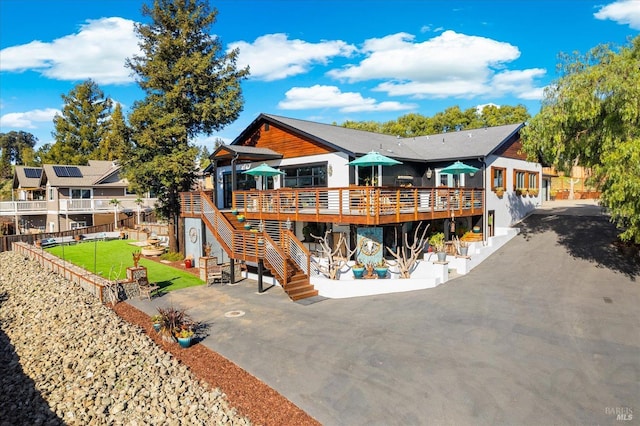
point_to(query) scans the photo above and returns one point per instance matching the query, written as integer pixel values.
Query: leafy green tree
(14, 147)
(450, 120)
(590, 117)
(203, 157)
(82, 125)
(116, 143)
(191, 87)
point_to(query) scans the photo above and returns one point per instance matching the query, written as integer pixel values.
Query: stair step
(303, 293)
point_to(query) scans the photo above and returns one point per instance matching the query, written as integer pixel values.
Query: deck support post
(260, 271)
(232, 270)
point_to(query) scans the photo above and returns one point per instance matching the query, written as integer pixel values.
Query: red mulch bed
(251, 397)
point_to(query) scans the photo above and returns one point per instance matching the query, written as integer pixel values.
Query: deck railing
(359, 201)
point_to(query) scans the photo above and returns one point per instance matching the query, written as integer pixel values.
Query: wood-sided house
(319, 190)
(55, 198)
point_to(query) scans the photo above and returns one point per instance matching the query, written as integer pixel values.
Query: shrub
(172, 256)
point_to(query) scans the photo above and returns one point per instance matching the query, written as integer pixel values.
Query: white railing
(22, 206)
(297, 252)
(104, 204)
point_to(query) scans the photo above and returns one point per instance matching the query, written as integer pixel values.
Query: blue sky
(327, 61)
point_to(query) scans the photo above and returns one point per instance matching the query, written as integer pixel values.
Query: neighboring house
(320, 191)
(55, 198)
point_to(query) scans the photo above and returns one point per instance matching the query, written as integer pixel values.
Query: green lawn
(101, 256)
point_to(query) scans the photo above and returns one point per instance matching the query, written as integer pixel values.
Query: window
(497, 178)
(127, 192)
(520, 179)
(80, 193)
(452, 181)
(78, 225)
(50, 194)
(305, 176)
(524, 179)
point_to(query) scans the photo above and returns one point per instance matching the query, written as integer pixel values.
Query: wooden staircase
(297, 285)
(290, 275)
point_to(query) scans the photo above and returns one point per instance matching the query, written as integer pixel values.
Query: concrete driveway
(545, 331)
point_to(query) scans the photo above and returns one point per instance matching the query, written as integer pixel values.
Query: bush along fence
(92, 283)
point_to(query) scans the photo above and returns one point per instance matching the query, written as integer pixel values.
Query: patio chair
(146, 289)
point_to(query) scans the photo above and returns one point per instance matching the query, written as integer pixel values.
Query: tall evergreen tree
(82, 125)
(191, 86)
(14, 147)
(590, 117)
(116, 143)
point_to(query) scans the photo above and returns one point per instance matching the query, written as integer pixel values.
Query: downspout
(485, 212)
(232, 263)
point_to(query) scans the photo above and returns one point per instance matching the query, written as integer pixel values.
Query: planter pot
(382, 272)
(152, 252)
(156, 327)
(464, 251)
(234, 212)
(357, 272)
(240, 219)
(187, 263)
(442, 256)
(247, 226)
(184, 342)
(476, 229)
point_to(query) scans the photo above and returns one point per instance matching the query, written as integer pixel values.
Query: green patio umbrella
(458, 168)
(373, 159)
(264, 170)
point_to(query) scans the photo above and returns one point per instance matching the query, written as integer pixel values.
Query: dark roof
(445, 146)
(25, 177)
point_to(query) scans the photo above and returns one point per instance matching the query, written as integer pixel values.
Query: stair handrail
(297, 251)
(276, 258)
(219, 225)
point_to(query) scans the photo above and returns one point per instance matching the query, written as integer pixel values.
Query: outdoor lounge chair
(146, 289)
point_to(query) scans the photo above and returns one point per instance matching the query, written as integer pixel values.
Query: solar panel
(67, 171)
(32, 173)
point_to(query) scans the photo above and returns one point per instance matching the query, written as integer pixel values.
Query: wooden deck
(359, 205)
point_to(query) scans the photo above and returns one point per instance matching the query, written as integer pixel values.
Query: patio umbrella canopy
(459, 168)
(373, 159)
(264, 170)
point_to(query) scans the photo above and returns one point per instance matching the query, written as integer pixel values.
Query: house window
(50, 194)
(451, 181)
(520, 179)
(127, 192)
(79, 224)
(497, 177)
(80, 193)
(533, 180)
(305, 176)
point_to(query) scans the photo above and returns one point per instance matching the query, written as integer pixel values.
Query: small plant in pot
(240, 218)
(358, 270)
(437, 242)
(184, 335)
(156, 320)
(381, 268)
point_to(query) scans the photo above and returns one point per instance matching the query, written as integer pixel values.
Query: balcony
(11, 208)
(353, 205)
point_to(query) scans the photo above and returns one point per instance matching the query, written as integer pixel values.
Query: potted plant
(184, 336)
(521, 191)
(234, 212)
(533, 192)
(552, 194)
(381, 268)
(240, 218)
(173, 321)
(156, 320)
(358, 270)
(499, 190)
(247, 226)
(437, 242)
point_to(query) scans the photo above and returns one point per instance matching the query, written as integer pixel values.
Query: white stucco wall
(511, 208)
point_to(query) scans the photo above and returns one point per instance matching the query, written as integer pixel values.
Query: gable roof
(21, 180)
(457, 145)
(103, 173)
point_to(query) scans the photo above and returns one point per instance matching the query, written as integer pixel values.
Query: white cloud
(331, 97)
(98, 51)
(623, 12)
(450, 64)
(275, 57)
(27, 120)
